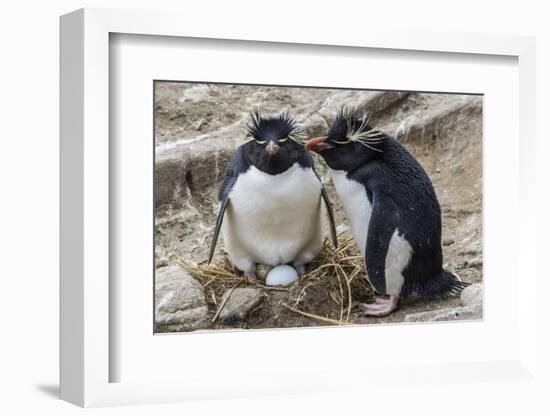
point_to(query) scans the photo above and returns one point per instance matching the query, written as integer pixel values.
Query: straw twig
(313, 316)
(332, 277)
(224, 301)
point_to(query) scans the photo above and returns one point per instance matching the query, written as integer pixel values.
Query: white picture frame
(86, 357)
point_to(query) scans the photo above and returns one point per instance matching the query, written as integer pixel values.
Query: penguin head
(350, 141)
(274, 142)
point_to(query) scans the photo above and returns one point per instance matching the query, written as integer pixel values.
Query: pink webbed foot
(301, 270)
(381, 306)
(251, 276)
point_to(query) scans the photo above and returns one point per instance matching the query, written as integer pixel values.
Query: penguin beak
(272, 148)
(317, 144)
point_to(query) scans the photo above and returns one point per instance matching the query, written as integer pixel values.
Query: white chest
(272, 217)
(275, 198)
(353, 196)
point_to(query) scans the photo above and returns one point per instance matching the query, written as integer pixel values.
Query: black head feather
(351, 126)
(349, 121)
(350, 141)
(275, 143)
(272, 128)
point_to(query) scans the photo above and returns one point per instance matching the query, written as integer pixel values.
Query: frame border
(84, 179)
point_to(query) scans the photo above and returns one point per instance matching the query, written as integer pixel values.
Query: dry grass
(327, 292)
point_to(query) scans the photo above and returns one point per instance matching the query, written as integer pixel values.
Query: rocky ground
(198, 126)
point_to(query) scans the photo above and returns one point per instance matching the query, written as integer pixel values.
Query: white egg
(281, 275)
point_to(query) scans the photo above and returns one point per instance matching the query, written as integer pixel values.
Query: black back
(384, 166)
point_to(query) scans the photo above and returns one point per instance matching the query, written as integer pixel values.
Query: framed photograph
(305, 224)
(235, 161)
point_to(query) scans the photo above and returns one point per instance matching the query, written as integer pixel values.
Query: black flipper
(235, 167)
(383, 222)
(219, 222)
(330, 214)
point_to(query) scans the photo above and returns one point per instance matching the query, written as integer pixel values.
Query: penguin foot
(301, 270)
(251, 276)
(380, 307)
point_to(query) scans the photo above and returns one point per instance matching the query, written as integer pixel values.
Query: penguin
(392, 209)
(270, 199)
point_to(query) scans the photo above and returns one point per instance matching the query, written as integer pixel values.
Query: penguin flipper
(330, 214)
(383, 223)
(235, 167)
(219, 221)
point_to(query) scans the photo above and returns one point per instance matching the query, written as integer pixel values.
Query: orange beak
(317, 144)
(272, 148)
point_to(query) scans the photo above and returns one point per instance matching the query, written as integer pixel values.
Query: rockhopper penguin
(392, 209)
(270, 197)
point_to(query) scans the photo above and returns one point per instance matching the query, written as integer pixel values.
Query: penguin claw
(251, 277)
(373, 306)
(301, 270)
(381, 301)
(380, 307)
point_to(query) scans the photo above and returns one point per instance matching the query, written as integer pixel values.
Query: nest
(327, 292)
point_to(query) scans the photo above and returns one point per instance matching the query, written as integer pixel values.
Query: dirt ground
(448, 144)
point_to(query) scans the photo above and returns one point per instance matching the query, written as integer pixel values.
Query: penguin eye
(259, 141)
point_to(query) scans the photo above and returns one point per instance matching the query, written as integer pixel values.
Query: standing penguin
(392, 209)
(270, 198)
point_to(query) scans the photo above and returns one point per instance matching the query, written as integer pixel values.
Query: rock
(237, 304)
(460, 313)
(161, 258)
(471, 306)
(372, 102)
(381, 101)
(473, 248)
(197, 93)
(179, 301)
(448, 241)
(476, 262)
(437, 117)
(199, 124)
(193, 163)
(316, 125)
(457, 169)
(457, 265)
(472, 295)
